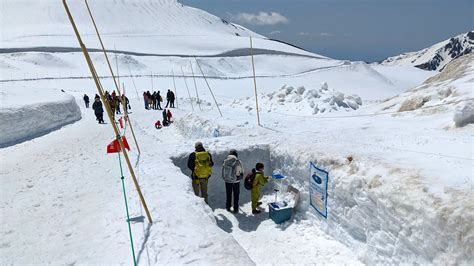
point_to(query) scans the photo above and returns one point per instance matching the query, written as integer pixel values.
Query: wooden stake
(254, 82)
(116, 82)
(174, 86)
(195, 86)
(107, 108)
(199, 65)
(187, 88)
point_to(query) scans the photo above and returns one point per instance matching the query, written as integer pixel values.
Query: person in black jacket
(86, 100)
(173, 98)
(199, 181)
(98, 110)
(168, 99)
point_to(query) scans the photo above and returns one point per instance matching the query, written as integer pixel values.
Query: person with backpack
(257, 179)
(86, 100)
(232, 173)
(98, 110)
(200, 163)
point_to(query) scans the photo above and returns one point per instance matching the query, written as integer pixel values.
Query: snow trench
(381, 222)
(32, 121)
(216, 186)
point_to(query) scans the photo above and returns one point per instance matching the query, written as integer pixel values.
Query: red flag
(114, 146)
(121, 122)
(125, 143)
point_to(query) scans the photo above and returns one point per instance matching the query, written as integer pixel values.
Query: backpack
(228, 170)
(202, 165)
(248, 181)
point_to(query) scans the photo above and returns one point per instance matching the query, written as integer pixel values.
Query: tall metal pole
(187, 88)
(108, 109)
(199, 65)
(195, 86)
(254, 82)
(133, 82)
(116, 82)
(174, 86)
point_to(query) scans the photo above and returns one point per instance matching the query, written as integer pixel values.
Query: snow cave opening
(216, 186)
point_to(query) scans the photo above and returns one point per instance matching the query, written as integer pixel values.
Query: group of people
(200, 163)
(153, 100)
(114, 102)
(167, 119)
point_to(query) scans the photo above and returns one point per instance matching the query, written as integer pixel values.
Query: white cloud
(304, 33)
(275, 32)
(262, 18)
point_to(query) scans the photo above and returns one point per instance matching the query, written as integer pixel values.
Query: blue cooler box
(279, 213)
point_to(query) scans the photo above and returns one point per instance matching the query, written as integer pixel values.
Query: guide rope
(126, 207)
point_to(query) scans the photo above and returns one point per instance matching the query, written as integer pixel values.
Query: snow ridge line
(232, 53)
(185, 76)
(376, 114)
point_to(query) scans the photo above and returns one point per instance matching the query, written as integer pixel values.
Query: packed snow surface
(25, 116)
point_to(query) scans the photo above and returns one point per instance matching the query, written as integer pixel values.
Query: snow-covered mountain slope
(437, 56)
(449, 94)
(163, 27)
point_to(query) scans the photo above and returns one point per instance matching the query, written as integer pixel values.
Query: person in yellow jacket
(200, 163)
(259, 181)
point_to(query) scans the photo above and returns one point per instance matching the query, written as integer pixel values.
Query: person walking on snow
(259, 181)
(173, 98)
(98, 110)
(86, 100)
(145, 99)
(200, 163)
(159, 99)
(232, 173)
(168, 99)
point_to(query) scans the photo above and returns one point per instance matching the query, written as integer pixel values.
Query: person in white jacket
(232, 173)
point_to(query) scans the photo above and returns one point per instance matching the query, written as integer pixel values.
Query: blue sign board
(318, 189)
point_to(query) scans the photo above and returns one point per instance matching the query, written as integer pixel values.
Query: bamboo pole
(116, 65)
(187, 88)
(107, 108)
(195, 86)
(174, 86)
(254, 82)
(215, 101)
(116, 82)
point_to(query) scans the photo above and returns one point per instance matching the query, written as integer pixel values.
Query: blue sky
(368, 30)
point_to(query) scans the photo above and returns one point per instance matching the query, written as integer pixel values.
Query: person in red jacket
(169, 116)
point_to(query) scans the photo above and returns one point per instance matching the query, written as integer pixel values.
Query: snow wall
(382, 222)
(32, 121)
(250, 156)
